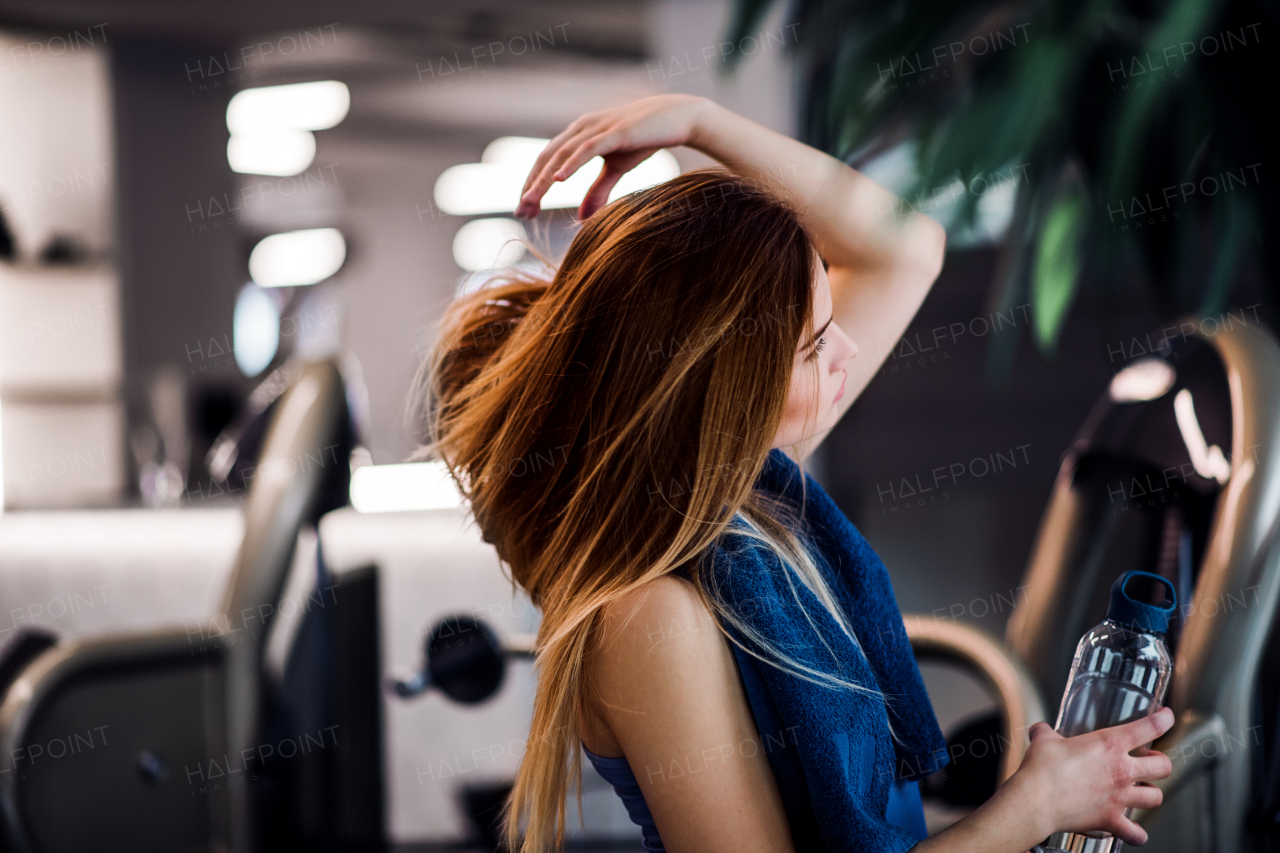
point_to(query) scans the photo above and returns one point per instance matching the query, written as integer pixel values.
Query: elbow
(920, 255)
(931, 249)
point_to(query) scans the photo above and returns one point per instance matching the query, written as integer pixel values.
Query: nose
(851, 348)
(844, 349)
(841, 365)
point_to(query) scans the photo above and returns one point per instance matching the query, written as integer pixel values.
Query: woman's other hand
(1085, 783)
(1076, 784)
(624, 136)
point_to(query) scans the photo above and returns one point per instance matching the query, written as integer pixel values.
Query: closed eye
(818, 347)
(819, 343)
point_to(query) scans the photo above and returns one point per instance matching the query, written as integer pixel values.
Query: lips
(840, 393)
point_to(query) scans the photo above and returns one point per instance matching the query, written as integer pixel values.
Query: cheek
(800, 395)
(807, 398)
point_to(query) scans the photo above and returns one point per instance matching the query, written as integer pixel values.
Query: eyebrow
(813, 340)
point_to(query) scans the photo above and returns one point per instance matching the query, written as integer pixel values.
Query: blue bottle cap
(1138, 615)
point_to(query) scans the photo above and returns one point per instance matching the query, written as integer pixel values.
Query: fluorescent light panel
(489, 243)
(271, 126)
(279, 153)
(297, 106)
(294, 258)
(403, 487)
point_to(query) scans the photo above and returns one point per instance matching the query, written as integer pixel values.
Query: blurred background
(193, 194)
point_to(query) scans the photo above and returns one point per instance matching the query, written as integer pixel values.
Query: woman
(618, 432)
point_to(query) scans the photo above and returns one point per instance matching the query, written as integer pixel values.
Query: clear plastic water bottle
(1120, 674)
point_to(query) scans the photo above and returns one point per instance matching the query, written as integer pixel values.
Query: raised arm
(881, 260)
(881, 263)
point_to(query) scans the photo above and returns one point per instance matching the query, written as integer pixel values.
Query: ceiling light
(297, 106)
(271, 125)
(518, 150)
(297, 257)
(484, 244)
(403, 487)
(271, 152)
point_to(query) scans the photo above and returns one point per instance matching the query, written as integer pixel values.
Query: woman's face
(818, 371)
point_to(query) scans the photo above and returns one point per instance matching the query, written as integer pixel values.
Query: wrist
(1010, 821)
(705, 116)
(1023, 800)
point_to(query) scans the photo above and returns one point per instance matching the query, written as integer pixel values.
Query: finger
(556, 143)
(615, 166)
(1148, 768)
(536, 169)
(569, 159)
(539, 181)
(1144, 797)
(1145, 730)
(1040, 729)
(605, 143)
(541, 176)
(598, 195)
(1129, 832)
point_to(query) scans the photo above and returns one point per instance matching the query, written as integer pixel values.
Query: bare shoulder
(654, 640)
(664, 609)
(664, 682)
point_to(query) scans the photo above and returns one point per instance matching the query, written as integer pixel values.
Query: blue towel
(905, 810)
(831, 750)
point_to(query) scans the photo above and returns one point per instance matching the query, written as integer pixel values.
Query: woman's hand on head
(624, 136)
(1084, 783)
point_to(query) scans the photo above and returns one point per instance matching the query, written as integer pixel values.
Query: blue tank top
(904, 809)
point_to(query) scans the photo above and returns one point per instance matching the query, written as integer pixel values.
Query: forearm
(1006, 823)
(856, 223)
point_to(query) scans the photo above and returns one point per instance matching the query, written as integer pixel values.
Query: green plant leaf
(1129, 98)
(1184, 21)
(1057, 268)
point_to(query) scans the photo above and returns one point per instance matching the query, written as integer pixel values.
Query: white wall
(55, 147)
(61, 423)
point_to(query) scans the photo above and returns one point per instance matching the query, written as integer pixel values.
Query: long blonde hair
(607, 427)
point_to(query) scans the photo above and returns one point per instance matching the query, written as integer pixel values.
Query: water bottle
(1120, 673)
